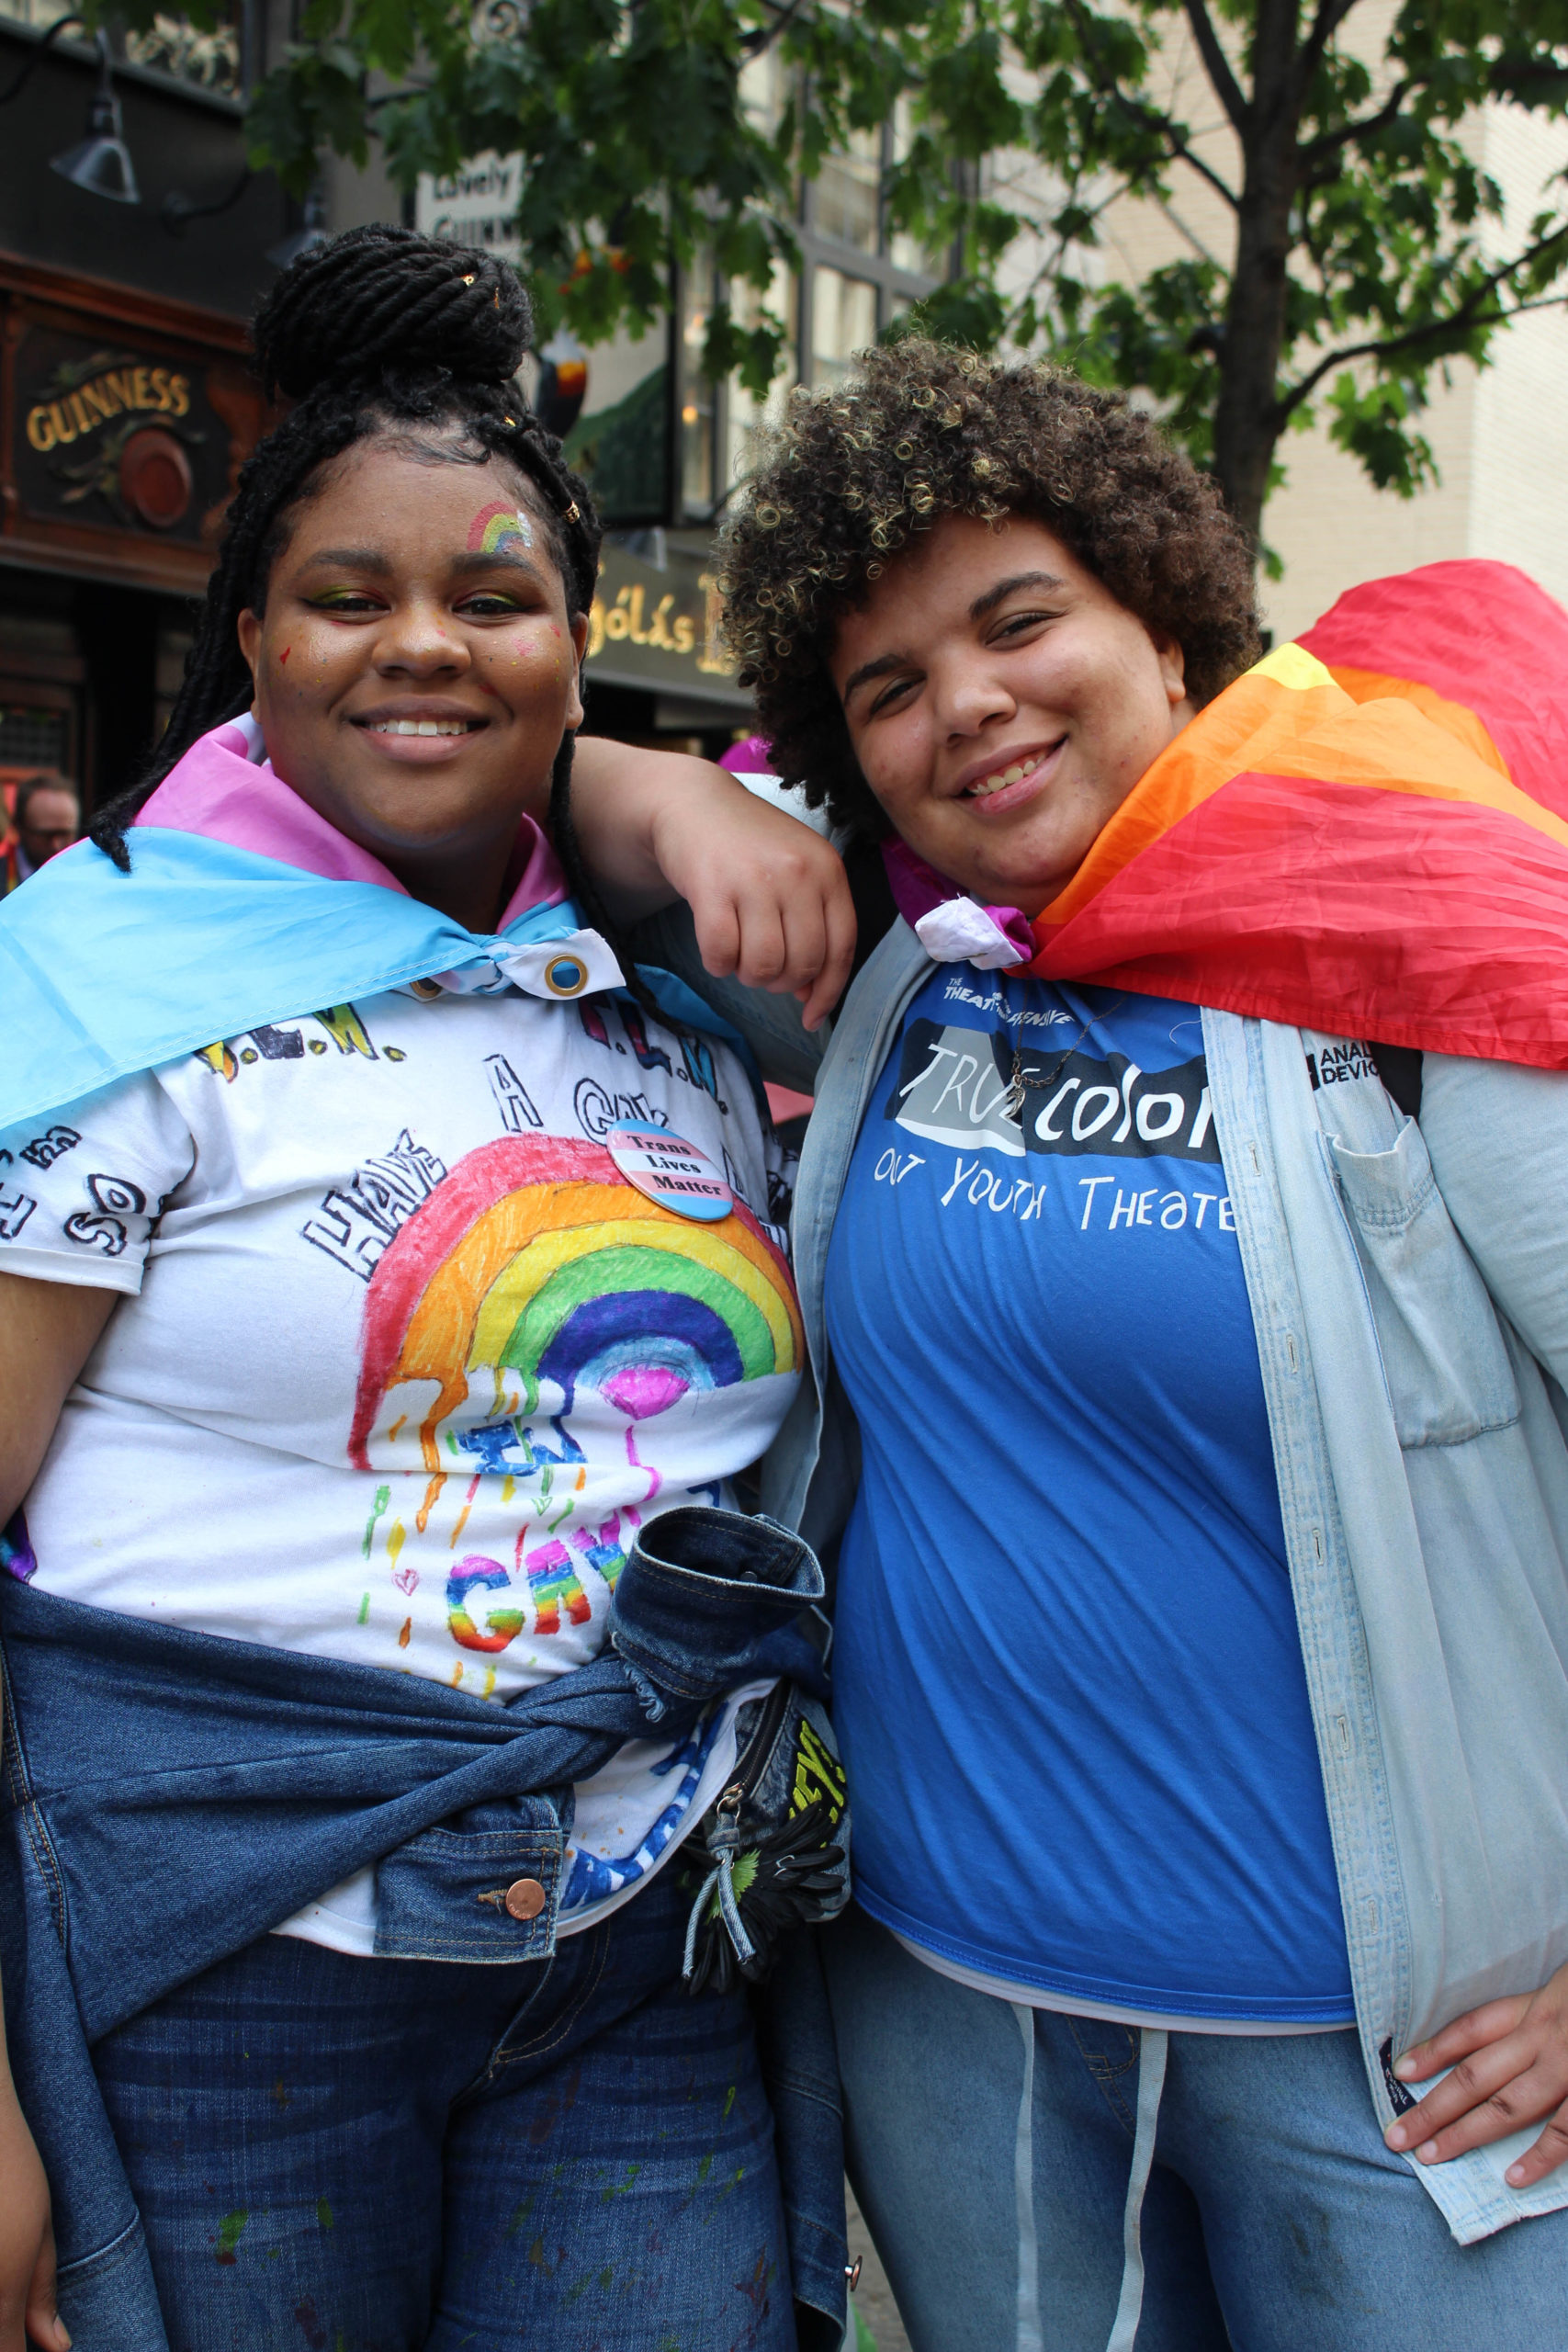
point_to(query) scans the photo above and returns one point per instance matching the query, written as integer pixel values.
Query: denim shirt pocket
(442, 1894)
(1444, 1357)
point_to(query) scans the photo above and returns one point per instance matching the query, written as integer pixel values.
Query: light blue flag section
(104, 974)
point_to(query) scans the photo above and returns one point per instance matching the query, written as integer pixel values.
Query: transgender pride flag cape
(243, 907)
(1368, 834)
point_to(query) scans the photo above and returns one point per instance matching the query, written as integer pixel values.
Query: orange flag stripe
(1288, 716)
(1461, 722)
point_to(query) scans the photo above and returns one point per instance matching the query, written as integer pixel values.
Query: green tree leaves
(1364, 248)
(1360, 245)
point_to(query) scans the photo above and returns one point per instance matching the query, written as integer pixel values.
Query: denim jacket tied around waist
(1409, 1289)
(170, 1796)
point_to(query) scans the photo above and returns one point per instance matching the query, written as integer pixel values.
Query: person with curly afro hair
(1172, 1613)
(865, 471)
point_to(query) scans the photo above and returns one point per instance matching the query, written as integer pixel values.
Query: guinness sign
(118, 436)
(126, 431)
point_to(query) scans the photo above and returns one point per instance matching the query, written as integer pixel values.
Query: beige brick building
(1500, 435)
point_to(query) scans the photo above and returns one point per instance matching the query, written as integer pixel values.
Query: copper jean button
(525, 1898)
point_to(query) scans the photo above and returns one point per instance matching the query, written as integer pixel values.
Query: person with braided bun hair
(393, 1280)
(379, 307)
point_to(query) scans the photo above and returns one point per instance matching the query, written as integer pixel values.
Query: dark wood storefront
(124, 419)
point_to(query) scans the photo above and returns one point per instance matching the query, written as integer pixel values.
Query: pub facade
(127, 407)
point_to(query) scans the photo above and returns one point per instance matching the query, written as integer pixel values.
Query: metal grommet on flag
(573, 964)
(565, 976)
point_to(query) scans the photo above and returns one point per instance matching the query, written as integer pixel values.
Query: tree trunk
(1246, 424)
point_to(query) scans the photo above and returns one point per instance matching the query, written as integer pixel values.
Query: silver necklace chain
(1020, 1082)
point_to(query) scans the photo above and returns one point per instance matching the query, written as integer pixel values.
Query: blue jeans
(1275, 2219)
(337, 2154)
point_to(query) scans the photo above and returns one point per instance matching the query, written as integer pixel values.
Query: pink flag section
(226, 789)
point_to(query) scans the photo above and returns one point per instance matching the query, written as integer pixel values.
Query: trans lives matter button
(669, 1170)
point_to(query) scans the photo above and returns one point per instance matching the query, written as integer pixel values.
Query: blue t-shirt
(1067, 1676)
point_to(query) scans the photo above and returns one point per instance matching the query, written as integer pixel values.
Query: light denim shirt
(1409, 1287)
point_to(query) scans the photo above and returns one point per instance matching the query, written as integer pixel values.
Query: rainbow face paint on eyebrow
(500, 529)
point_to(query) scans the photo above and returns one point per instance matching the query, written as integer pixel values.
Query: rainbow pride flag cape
(1368, 834)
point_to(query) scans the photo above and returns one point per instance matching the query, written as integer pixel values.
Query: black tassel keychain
(778, 1842)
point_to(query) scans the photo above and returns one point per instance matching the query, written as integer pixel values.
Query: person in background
(46, 818)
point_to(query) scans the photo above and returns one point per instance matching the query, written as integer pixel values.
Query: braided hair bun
(383, 298)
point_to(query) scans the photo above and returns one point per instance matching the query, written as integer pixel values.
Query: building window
(859, 277)
(747, 418)
(843, 321)
(171, 44)
(846, 199)
(34, 738)
(207, 56)
(697, 393)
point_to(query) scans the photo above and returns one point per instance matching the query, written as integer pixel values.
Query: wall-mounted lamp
(101, 162)
(311, 232)
(177, 207)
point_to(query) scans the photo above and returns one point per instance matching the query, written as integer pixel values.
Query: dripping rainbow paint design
(536, 1264)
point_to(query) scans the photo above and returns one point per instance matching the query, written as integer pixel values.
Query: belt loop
(1153, 2050)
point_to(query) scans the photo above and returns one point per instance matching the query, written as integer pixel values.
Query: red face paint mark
(284, 655)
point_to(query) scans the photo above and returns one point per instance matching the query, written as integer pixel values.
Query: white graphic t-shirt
(412, 1345)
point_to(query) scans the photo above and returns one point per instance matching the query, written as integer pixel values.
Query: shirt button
(525, 1898)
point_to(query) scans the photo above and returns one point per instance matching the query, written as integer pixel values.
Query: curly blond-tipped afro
(921, 431)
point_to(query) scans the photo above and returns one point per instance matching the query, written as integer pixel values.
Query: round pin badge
(669, 1170)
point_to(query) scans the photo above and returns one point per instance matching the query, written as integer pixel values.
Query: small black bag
(777, 1840)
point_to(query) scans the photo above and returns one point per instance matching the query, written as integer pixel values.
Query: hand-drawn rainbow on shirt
(535, 1256)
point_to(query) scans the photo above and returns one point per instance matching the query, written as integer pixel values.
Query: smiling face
(1002, 705)
(415, 668)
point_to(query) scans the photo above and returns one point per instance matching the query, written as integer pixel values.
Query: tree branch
(1330, 142)
(1060, 245)
(1467, 314)
(1181, 154)
(1216, 64)
(1331, 15)
(1171, 132)
(765, 35)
